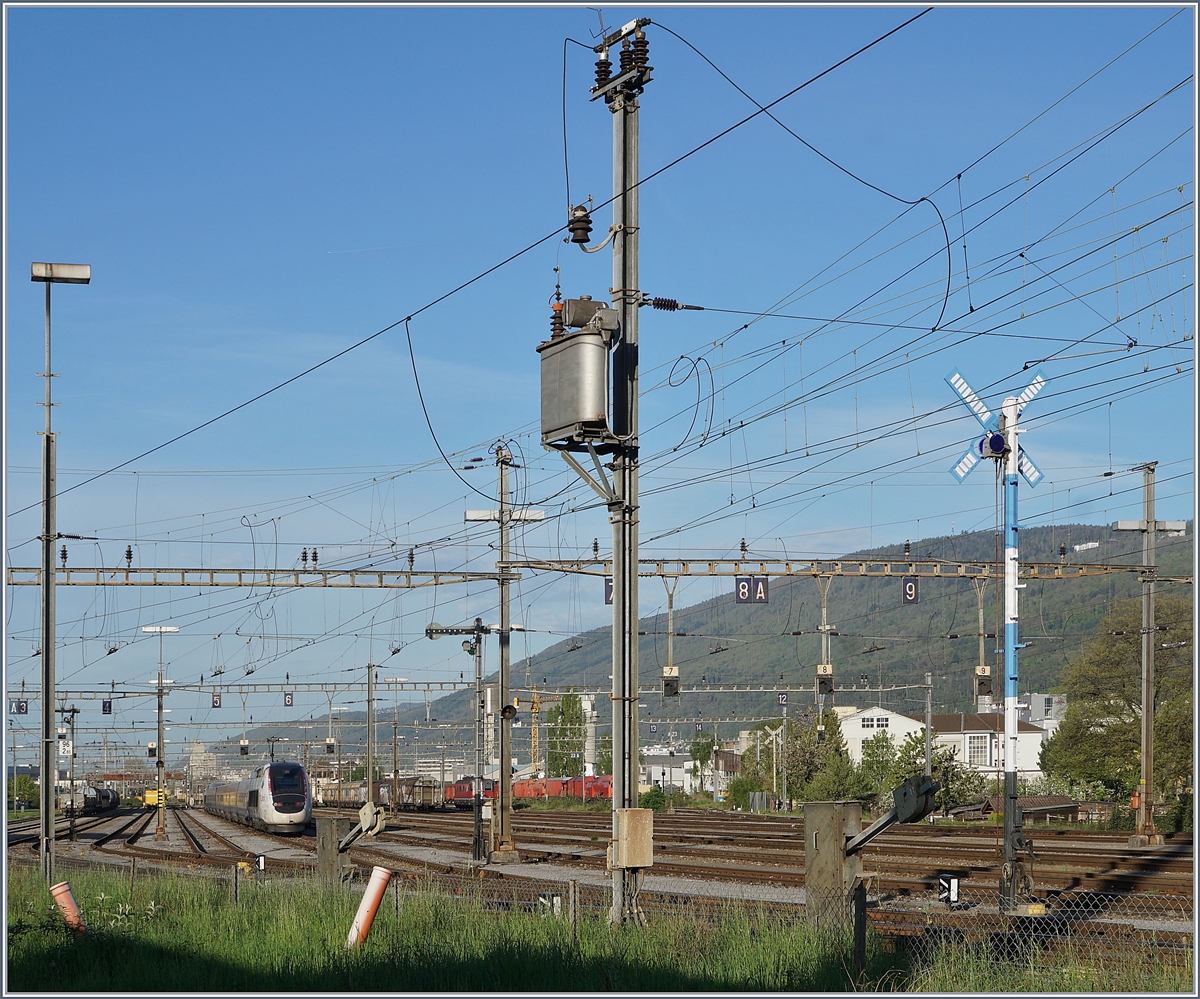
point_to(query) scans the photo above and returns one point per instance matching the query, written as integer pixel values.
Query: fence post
(132, 873)
(235, 884)
(858, 901)
(396, 893)
(573, 909)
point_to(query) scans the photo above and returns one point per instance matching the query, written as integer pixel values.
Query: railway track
(701, 851)
(768, 849)
(62, 828)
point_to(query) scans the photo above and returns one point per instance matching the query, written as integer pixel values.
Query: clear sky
(257, 189)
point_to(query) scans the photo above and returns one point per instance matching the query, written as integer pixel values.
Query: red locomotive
(583, 788)
(461, 794)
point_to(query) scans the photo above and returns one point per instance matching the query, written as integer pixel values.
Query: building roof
(990, 722)
(1031, 802)
(874, 710)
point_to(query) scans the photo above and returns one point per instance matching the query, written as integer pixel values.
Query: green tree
(878, 761)
(604, 754)
(564, 737)
(23, 788)
(1099, 739)
(702, 749)
(960, 784)
(359, 770)
(830, 774)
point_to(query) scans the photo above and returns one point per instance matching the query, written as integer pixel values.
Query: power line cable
(828, 159)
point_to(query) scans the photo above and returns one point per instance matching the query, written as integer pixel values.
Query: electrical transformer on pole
(577, 417)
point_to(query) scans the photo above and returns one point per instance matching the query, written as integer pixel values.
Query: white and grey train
(276, 798)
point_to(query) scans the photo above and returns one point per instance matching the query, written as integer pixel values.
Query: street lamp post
(160, 831)
(50, 274)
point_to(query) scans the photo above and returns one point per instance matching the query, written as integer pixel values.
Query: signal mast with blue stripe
(1000, 443)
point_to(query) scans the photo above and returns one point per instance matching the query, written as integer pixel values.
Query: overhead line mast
(577, 417)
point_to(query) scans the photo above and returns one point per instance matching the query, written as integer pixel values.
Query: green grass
(960, 969)
(180, 933)
(563, 805)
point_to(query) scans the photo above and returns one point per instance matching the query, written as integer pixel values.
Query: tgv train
(277, 798)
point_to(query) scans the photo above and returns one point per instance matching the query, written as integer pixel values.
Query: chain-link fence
(1072, 940)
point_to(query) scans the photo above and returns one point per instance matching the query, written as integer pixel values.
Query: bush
(654, 799)
(1122, 818)
(737, 794)
(1180, 816)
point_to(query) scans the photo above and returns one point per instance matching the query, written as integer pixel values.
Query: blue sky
(257, 189)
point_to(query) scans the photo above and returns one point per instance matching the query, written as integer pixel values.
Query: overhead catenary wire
(480, 275)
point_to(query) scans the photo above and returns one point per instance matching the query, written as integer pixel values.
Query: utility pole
(502, 823)
(160, 831)
(622, 100)
(824, 668)
(370, 732)
(670, 673)
(50, 274)
(505, 848)
(1146, 833)
(580, 414)
(928, 724)
(477, 851)
(783, 733)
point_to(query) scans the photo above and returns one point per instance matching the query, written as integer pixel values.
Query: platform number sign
(287, 699)
(653, 729)
(912, 591)
(752, 590)
(216, 700)
(608, 589)
(18, 707)
(783, 700)
(699, 726)
(106, 707)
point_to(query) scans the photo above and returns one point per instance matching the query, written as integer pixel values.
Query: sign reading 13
(752, 590)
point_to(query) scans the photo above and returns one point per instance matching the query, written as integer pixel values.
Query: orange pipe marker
(380, 876)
